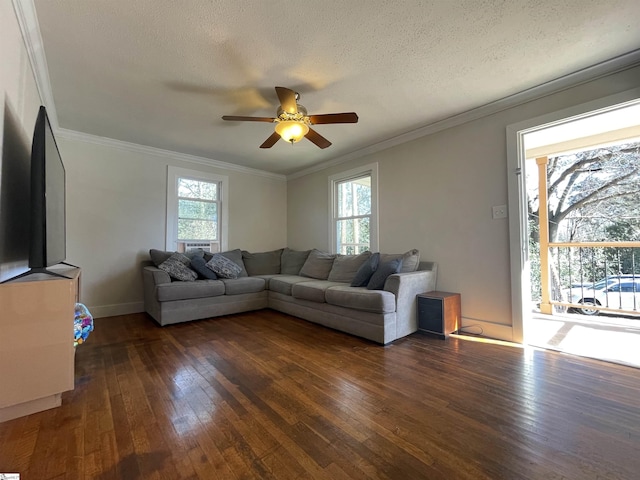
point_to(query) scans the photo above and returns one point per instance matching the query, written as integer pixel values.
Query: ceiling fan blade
(287, 99)
(271, 141)
(348, 117)
(248, 119)
(318, 139)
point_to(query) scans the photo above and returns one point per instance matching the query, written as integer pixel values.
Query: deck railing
(575, 269)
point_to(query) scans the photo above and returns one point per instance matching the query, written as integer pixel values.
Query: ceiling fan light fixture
(292, 131)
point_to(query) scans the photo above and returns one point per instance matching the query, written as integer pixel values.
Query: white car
(623, 294)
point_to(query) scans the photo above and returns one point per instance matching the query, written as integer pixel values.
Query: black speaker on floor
(438, 313)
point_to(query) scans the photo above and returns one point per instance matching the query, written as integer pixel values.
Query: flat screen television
(47, 233)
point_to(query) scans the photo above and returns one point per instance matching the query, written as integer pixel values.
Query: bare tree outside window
(593, 196)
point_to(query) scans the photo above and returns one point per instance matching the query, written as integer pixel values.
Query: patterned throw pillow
(223, 267)
(176, 268)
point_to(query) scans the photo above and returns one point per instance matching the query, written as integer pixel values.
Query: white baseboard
(100, 311)
(497, 331)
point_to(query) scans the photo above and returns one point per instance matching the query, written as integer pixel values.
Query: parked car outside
(619, 292)
(609, 280)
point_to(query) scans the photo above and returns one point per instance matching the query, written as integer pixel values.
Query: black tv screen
(47, 240)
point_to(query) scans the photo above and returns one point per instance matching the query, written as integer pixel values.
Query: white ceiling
(161, 73)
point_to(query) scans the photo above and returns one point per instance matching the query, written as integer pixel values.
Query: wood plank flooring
(268, 396)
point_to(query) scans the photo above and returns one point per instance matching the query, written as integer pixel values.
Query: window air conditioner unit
(188, 246)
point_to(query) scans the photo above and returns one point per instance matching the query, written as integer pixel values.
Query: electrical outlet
(499, 211)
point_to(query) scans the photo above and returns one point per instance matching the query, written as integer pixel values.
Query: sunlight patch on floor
(487, 340)
(607, 344)
(617, 342)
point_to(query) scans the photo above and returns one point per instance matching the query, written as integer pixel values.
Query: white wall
(116, 203)
(436, 194)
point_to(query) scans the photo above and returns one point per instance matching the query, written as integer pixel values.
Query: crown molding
(159, 152)
(608, 67)
(28, 21)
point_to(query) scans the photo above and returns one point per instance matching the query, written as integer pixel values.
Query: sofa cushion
(410, 260)
(263, 263)
(177, 269)
(359, 298)
(283, 283)
(318, 265)
(345, 267)
(291, 261)
(168, 292)
(379, 277)
(240, 285)
(223, 267)
(364, 273)
(313, 290)
(236, 257)
(199, 264)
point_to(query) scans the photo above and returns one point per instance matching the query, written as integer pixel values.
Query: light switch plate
(499, 211)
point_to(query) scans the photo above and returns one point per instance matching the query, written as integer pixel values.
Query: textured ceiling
(161, 73)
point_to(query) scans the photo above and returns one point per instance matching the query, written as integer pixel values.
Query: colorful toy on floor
(82, 324)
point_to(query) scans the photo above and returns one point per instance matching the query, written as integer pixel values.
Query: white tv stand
(36, 341)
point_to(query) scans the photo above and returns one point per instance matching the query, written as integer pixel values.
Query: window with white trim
(196, 210)
(354, 210)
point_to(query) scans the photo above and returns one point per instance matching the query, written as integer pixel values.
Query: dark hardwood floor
(268, 396)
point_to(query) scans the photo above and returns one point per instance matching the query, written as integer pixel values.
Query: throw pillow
(223, 267)
(177, 269)
(199, 264)
(236, 257)
(264, 263)
(191, 254)
(379, 277)
(292, 261)
(159, 256)
(366, 270)
(410, 260)
(318, 265)
(345, 267)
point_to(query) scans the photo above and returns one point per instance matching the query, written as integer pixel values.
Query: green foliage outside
(354, 200)
(197, 210)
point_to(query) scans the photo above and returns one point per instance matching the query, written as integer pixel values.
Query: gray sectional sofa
(312, 285)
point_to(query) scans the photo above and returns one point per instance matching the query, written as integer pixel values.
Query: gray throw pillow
(318, 265)
(191, 254)
(379, 277)
(159, 256)
(199, 264)
(345, 267)
(291, 261)
(365, 272)
(236, 257)
(410, 260)
(177, 269)
(223, 267)
(263, 263)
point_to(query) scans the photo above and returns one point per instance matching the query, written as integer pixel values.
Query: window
(196, 210)
(354, 210)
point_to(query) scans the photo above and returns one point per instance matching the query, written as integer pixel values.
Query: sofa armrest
(155, 276)
(405, 286)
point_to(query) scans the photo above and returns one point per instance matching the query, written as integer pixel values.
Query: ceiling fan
(293, 123)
